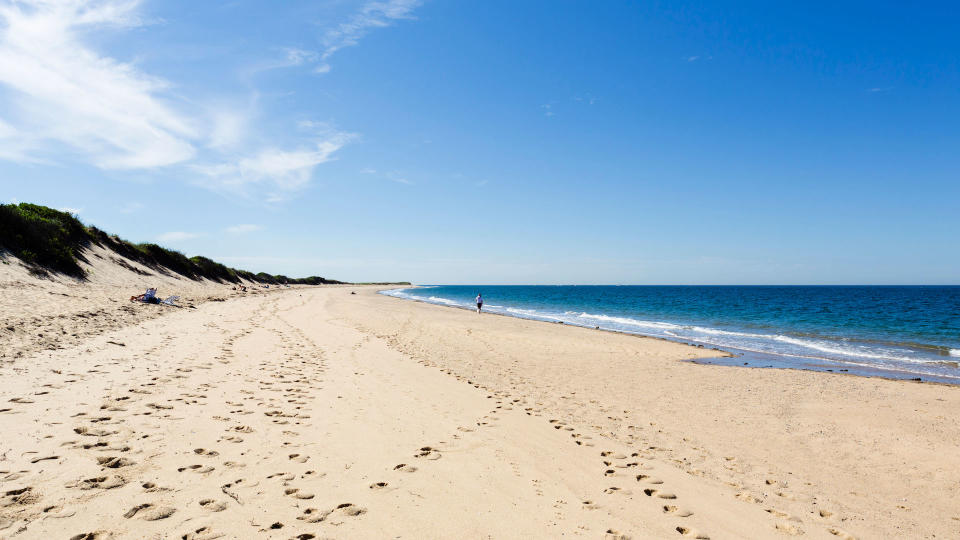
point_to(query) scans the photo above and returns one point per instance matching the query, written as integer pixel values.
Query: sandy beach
(314, 412)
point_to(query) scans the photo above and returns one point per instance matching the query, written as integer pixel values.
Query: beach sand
(317, 413)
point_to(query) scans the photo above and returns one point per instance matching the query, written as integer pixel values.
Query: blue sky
(498, 141)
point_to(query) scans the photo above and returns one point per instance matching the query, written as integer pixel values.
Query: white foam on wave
(750, 341)
(896, 355)
(753, 341)
(532, 313)
(955, 352)
(624, 320)
(441, 300)
(399, 293)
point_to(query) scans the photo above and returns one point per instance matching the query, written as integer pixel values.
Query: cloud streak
(67, 94)
(372, 15)
(281, 171)
(243, 228)
(62, 100)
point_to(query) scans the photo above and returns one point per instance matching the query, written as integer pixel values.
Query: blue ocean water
(887, 330)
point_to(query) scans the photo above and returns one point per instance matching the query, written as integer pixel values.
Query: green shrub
(43, 238)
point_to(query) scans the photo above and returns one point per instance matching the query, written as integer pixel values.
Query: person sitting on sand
(150, 297)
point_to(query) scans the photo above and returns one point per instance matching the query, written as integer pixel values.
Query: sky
(497, 142)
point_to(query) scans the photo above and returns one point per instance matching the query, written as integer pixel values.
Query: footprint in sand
(57, 512)
(841, 533)
(670, 509)
(200, 469)
(648, 479)
(208, 453)
(298, 458)
(378, 485)
(88, 432)
(403, 467)
(213, 505)
(663, 495)
(96, 535)
(151, 487)
(114, 462)
(149, 512)
(613, 534)
(789, 528)
(312, 515)
(687, 531)
(295, 492)
(428, 452)
(100, 482)
(203, 533)
(20, 497)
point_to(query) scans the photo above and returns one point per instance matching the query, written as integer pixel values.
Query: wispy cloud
(68, 101)
(296, 57)
(371, 15)
(177, 236)
(397, 177)
(243, 228)
(131, 207)
(879, 89)
(66, 93)
(393, 176)
(287, 57)
(280, 171)
(70, 210)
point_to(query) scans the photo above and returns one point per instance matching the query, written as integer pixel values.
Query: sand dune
(314, 413)
(59, 311)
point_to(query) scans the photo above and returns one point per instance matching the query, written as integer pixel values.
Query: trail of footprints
(289, 383)
(615, 465)
(105, 438)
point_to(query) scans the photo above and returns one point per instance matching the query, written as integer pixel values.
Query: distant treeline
(49, 240)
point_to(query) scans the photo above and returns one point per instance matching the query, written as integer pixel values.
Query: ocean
(892, 331)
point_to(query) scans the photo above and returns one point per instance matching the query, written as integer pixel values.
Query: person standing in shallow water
(479, 302)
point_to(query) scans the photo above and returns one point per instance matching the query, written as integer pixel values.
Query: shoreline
(737, 358)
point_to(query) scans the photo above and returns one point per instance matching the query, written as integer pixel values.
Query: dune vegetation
(52, 241)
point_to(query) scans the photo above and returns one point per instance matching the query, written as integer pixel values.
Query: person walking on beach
(479, 303)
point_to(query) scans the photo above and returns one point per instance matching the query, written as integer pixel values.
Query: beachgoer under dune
(149, 297)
